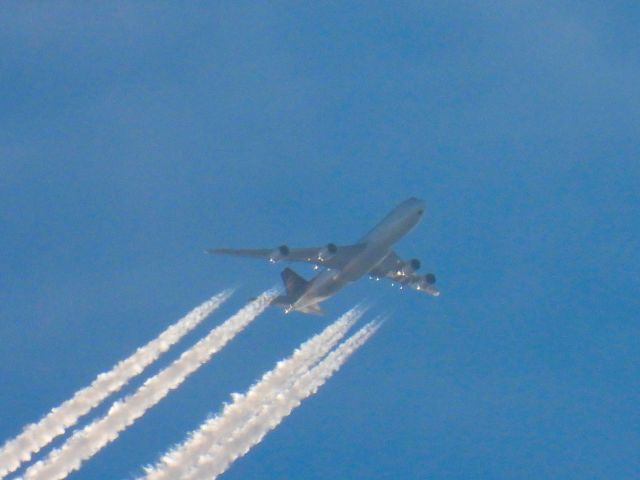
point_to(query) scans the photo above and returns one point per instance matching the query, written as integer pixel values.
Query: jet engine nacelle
(409, 267)
(327, 252)
(423, 283)
(279, 253)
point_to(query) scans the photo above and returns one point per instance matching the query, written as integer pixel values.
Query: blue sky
(135, 135)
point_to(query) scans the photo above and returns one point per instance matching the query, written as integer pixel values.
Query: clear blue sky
(135, 134)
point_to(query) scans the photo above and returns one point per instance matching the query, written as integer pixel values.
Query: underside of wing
(404, 273)
(330, 256)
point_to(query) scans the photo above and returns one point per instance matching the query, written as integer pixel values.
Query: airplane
(371, 255)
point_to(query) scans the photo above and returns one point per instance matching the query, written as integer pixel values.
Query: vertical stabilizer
(293, 282)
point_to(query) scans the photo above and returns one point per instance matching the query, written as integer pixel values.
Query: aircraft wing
(403, 272)
(330, 256)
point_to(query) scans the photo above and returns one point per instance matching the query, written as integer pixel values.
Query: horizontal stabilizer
(282, 301)
(313, 309)
(286, 302)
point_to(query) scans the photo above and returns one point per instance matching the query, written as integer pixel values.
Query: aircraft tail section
(312, 309)
(285, 302)
(293, 282)
(295, 286)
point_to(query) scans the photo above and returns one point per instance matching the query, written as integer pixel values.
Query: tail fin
(293, 282)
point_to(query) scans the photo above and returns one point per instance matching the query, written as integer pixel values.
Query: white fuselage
(377, 244)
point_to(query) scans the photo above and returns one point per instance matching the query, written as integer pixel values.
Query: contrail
(37, 435)
(179, 460)
(83, 444)
(226, 450)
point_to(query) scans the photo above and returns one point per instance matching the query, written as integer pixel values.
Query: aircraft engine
(424, 282)
(279, 253)
(327, 252)
(409, 267)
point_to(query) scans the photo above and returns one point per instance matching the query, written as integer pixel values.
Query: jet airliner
(372, 255)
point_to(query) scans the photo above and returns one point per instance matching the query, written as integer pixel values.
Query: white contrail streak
(84, 443)
(235, 415)
(226, 450)
(37, 435)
